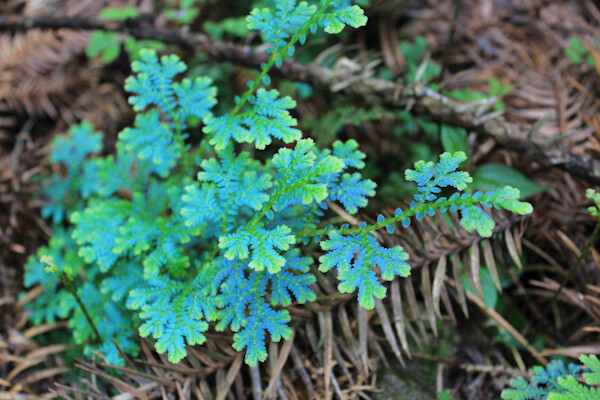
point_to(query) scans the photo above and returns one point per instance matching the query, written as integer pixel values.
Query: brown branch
(417, 98)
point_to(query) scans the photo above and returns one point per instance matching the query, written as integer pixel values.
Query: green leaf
(466, 94)
(104, 44)
(336, 21)
(490, 293)
(111, 53)
(595, 197)
(183, 16)
(231, 26)
(445, 394)
(97, 43)
(119, 14)
(454, 139)
(491, 176)
(474, 218)
(498, 88)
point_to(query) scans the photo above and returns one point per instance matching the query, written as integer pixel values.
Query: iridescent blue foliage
(269, 118)
(153, 85)
(71, 150)
(556, 381)
(432, 177)
(355, 257)
(169, 254)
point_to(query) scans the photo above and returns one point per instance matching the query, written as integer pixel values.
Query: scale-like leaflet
(175, 253)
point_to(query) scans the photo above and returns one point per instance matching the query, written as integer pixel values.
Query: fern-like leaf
(239, 180)
(352, 191)
(432, 177)
(335, 21)
(276, 26)
(294, 280)
(153, 85)
(97, 230)
(264, 244)
(592, 377)
(348, 152)
(252, 335)
(152, 140)
(81, 179)
(301, 173)
(269, 118)
(174, 313)
(201, 205)
(72, 149)
(356, 257)
(57, 303)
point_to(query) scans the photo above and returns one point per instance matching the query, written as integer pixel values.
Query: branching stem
(67, 281)
(422, 207)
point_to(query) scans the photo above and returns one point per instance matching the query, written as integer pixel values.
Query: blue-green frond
(592, 363)
(58, 193)
(239, 179)
(97, 230)
(293, 280)
(431, 177)
(474, 218)
(261, 245)
(355, 257)
(57, 302)
(342, 15)
(153, 82)
(234, 289)
(153, 85)
(279, 25)
(507, 198)
(89, 182)
(302, 173)
(290, 17)
(195, 98)
(169, 249)
(557, 381)
(174, 313)
(268, 118)
(201, 205)
(522, 390)
(136, 236)
(252, 336)
(302, 163)
(253, 190)
(348, 152)
(65, 194)
(352, 191)
(573, 389)
(115, 326)
(152, 140)
(115, 173)
(119, 286)
(72, 149)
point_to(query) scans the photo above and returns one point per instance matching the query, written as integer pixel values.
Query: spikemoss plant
(170, 238)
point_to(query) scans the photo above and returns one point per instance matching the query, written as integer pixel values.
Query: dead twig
(418, 98)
